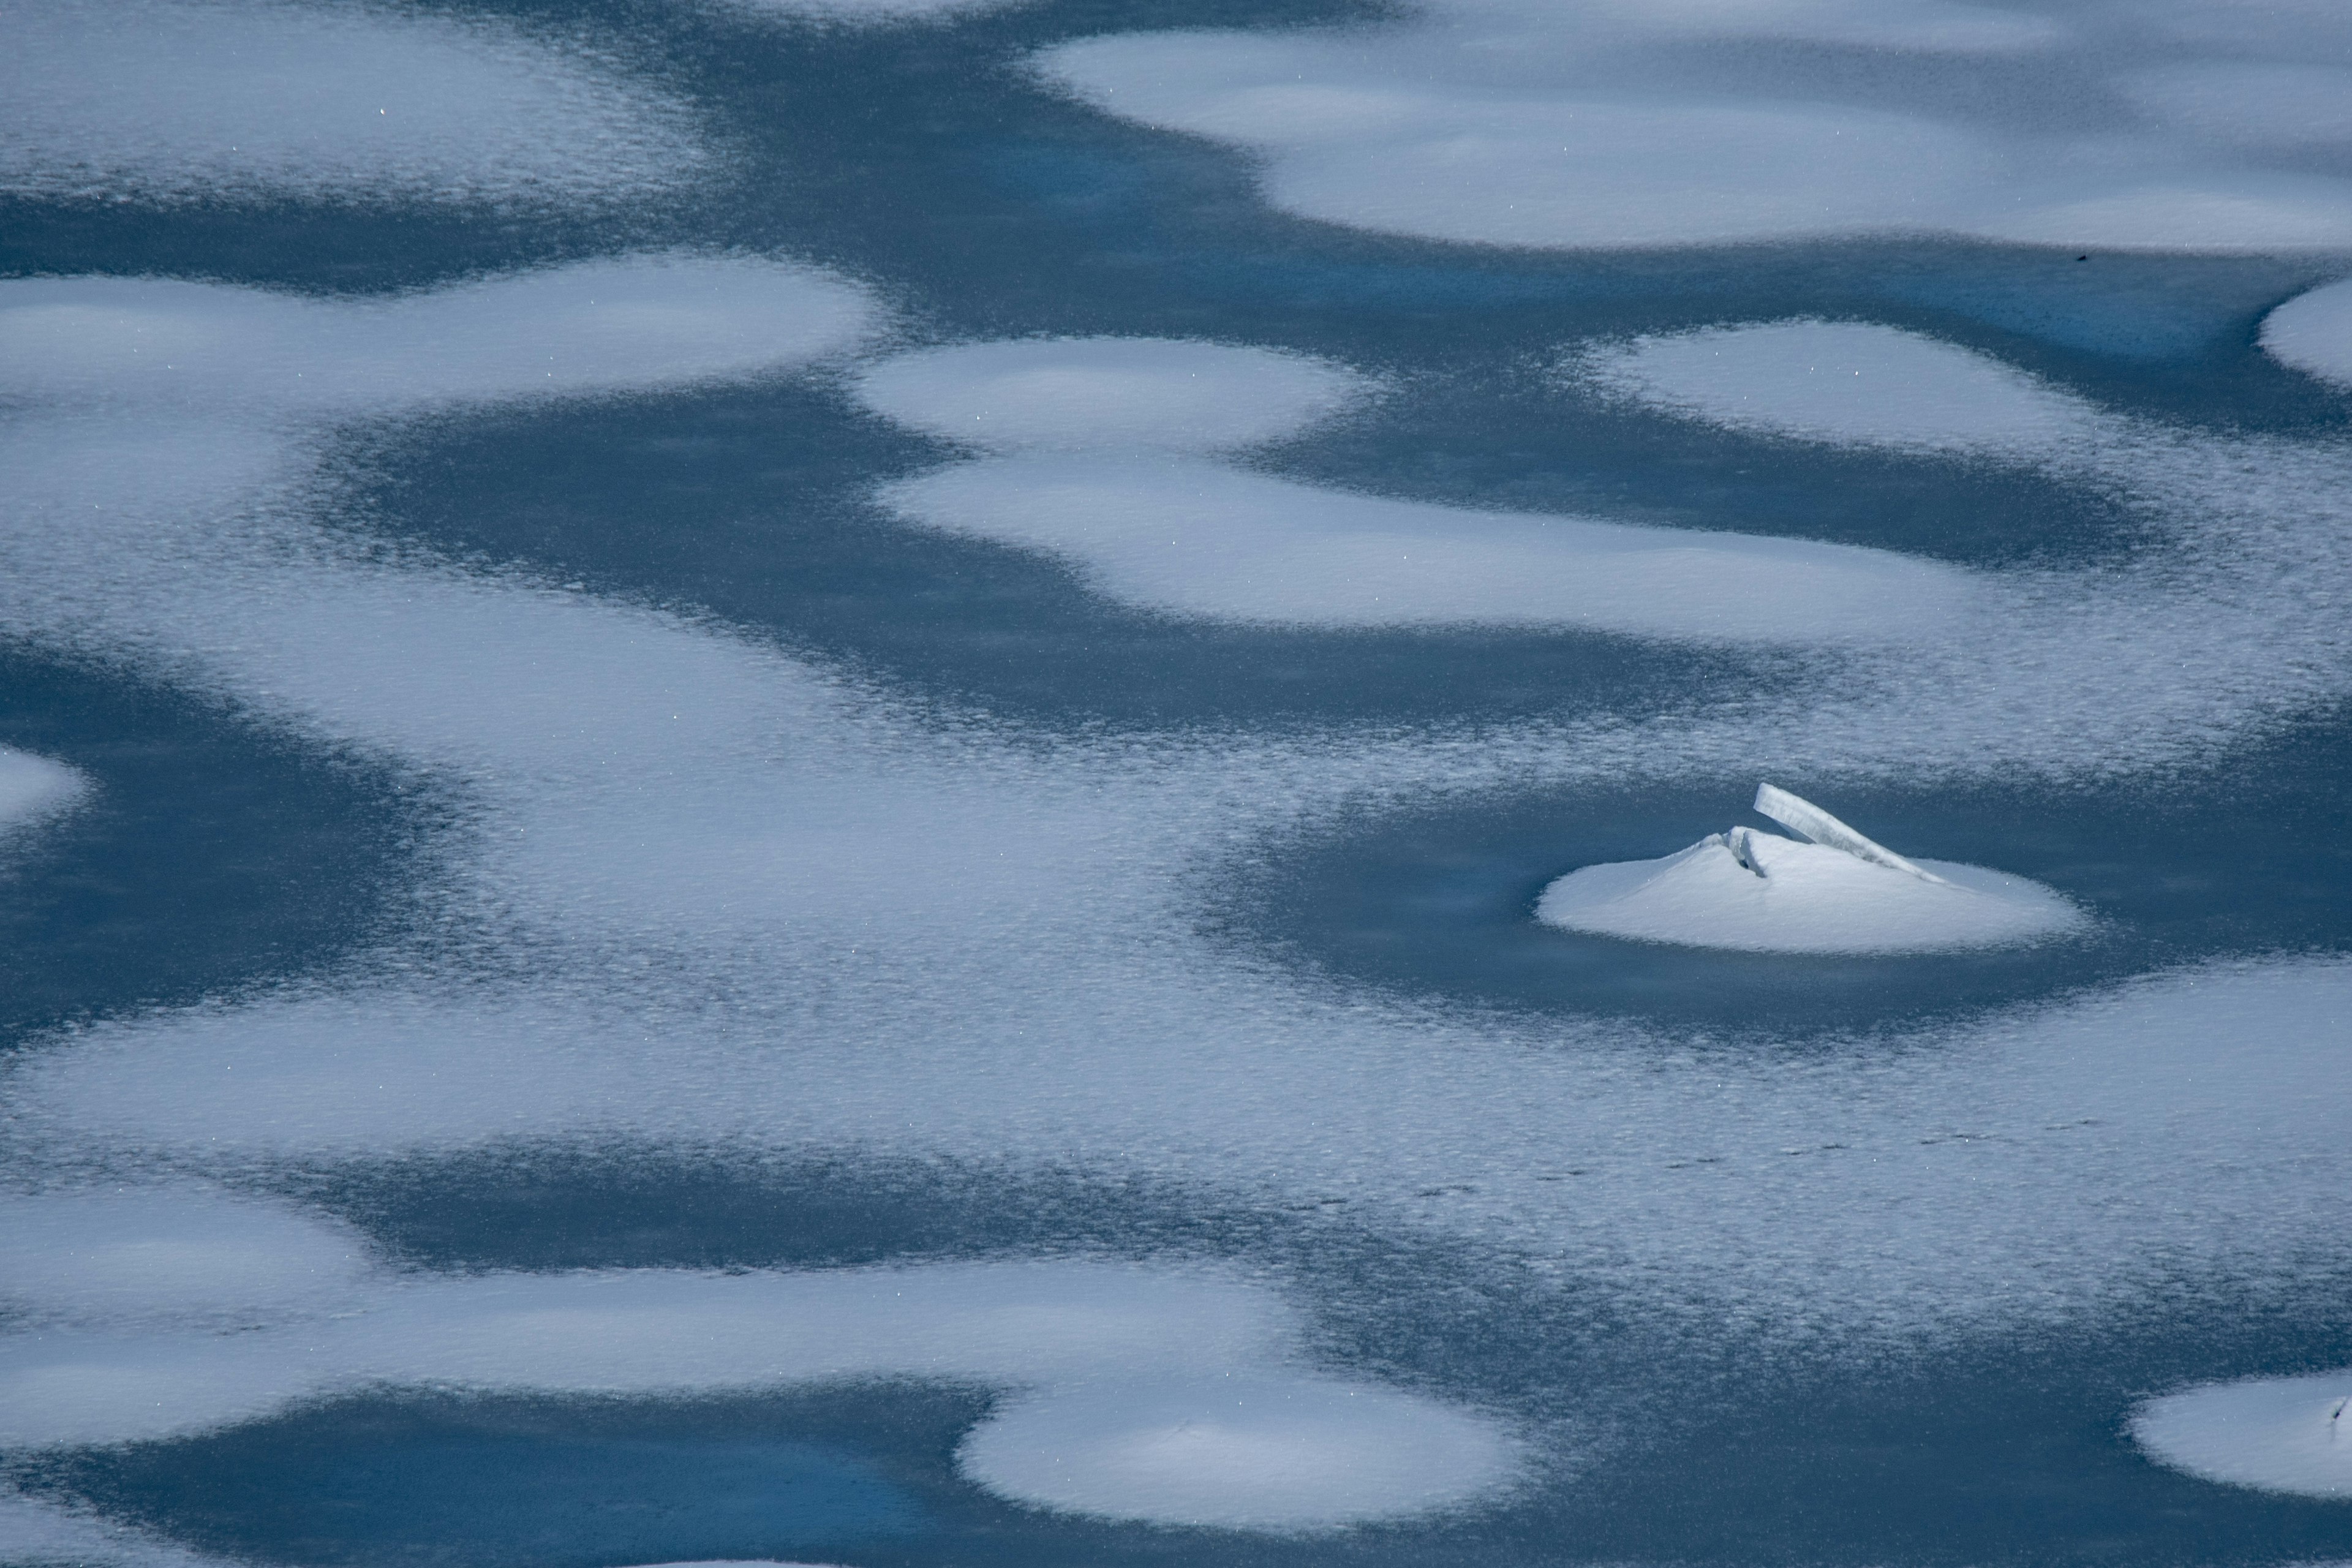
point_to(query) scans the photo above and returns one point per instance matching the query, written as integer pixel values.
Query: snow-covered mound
(2280, 1434)
(1756, 892)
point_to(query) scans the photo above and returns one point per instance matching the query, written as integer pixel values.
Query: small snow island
(1827, 890)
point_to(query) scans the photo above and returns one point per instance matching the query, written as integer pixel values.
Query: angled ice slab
(1839, 892)
(1810, 821)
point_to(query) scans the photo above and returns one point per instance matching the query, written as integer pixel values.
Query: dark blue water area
(212, 853)
(2008, 1453)
(755, 506)
(1440, 901)
(1512, 436)
(431, 1479)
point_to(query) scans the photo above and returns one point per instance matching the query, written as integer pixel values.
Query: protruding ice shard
(1741, 842)
(1808, 821)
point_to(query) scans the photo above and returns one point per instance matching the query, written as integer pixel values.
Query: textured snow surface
(1809, 898)
(1198, 539)
(36, 1531)
(129, 1253)
(182, 100)
(637, 801)
(872, 12)
(1843, 382)
(986, 946)
(1520, 123)
(1264, 1454)
(219, 353)
(1155, 394)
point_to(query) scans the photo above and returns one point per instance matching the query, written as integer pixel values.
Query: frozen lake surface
(919, 783)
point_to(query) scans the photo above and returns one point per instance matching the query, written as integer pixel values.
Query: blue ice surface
(496, 1483)
(2000, 1448)
(219, 855)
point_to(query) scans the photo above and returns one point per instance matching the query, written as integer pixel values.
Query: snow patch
(1151, 393)
(133, 1254)
(185, 100)
(2278, 1434)
(1197, 539)
(1254, 1453)
(872, 12)
(2312, 333)
(1506, 122)
(35, 789)
(39, 1530)
(1096, 1347)
(629, 323)
(1842, 383)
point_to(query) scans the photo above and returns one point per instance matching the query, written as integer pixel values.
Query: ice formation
(1280, 1454)
(1837, 891)
(872, 13)
(1195, 538)
(131, 1254)
(1524, 123)
(1103, 1357)
(2312, 333)
(1106, 463)
(2277, 1434)
(179, 100)
(1155, 394)
(630, 766)
(217, 352)
(1842, 383)
(648, 783)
